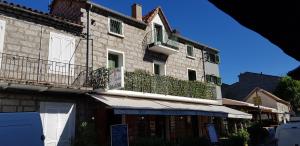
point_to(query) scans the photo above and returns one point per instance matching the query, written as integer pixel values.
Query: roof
(158, 10)
(32, 14)
(150, 16)
(118, 15)
(268, 94)
(231, 102)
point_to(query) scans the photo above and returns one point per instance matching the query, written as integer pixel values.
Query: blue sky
(241, 49)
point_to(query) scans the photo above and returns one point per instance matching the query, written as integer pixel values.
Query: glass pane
(157, 69)
(113, 61)
(190, 51)
(158, 33)
(115, 26)
(192, 75)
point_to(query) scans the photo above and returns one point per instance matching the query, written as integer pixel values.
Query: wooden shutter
(217, 58)
(61, 49)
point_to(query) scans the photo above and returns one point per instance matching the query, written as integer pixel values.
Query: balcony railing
(27, 70)
(165, 43)
(142, 81)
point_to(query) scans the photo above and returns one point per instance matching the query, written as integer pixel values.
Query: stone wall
(29, 39)
(132, 47)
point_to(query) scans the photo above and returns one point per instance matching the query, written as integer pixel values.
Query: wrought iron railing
(167, 39)
(21, 69)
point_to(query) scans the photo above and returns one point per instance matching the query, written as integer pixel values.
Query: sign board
(257, 100)
(212, 133)
(116, 78)
(119, 135)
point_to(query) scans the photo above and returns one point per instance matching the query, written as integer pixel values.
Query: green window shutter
(217, 58)
(208, 78)
(219, 81)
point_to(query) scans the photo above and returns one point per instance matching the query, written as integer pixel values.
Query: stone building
(247, 82)
(56, 64)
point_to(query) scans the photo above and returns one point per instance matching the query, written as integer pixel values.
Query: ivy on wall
(143, 81)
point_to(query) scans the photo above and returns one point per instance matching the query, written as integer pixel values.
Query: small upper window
(192, 75)
(214, 58)
(116, 26)
(190, 51)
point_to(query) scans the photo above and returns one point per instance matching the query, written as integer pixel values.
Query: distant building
(247, 82)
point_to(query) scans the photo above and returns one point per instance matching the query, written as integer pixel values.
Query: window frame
(190, 69)
(122, 27)
(115, 52)
(216, 78)
(193, 51)
(2, 37)
(215, 56)
(164, 71)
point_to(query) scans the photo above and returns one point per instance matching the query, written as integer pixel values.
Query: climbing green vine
(143, 81)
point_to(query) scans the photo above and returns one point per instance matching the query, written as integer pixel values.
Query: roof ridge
(36, 11)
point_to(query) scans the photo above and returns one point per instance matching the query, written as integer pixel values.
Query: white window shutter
(61, 49)
(55, 48)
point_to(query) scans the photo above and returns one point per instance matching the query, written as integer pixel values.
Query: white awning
(142, 106)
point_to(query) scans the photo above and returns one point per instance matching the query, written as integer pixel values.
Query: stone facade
(29, 39)
(134, 51)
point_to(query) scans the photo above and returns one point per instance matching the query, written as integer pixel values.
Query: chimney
(137, 11)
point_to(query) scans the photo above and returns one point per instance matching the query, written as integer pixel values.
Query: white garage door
(58, 121)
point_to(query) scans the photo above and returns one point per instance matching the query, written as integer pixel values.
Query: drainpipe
(87, 39)
(203, 63)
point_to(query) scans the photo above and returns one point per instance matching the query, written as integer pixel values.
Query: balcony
(142, 81)
(165, 43)
(21, 70)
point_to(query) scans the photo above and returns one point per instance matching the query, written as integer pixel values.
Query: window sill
(117, 35)
(191, 57)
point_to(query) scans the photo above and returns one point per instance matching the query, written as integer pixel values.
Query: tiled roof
(148, 17)
(35, 12)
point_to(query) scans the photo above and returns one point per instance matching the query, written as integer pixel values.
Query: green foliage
(240, 138)
(142, 81)
(257, 133)
(99, 78)
(289, 90)
(87, 135)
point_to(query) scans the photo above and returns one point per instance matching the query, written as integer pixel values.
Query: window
(61, 53)
(2, 32)
(192, 75)
(190, 51)
(115, 59)
(115, 27)
(214, 58)
(213, 79)
(158, 33)
(159, 68)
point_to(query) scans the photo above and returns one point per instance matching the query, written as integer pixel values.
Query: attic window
(116, 27)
